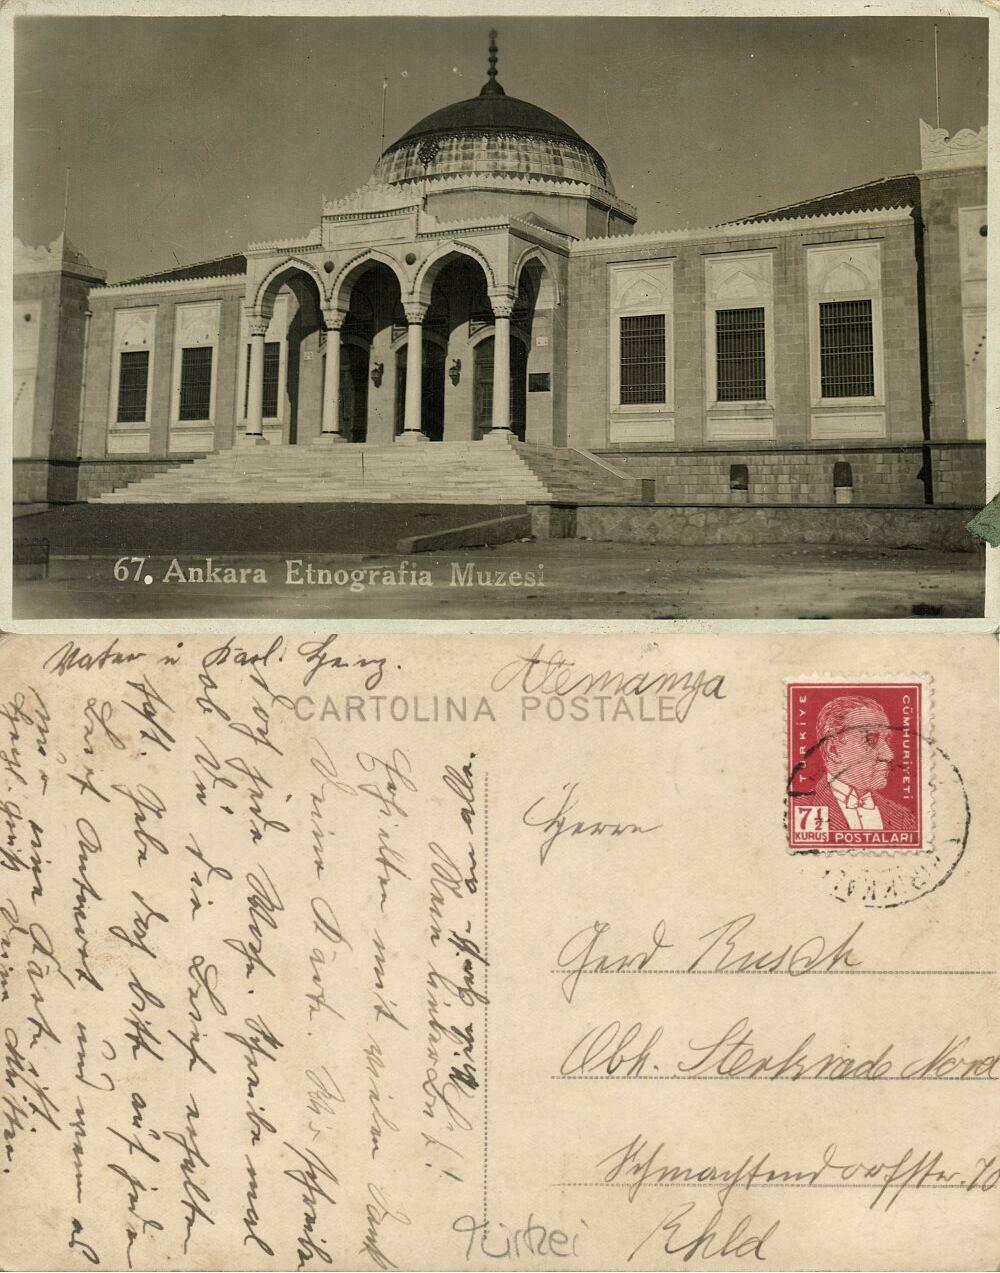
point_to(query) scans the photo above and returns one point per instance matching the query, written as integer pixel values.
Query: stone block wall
(779, 477)
(960, 473)
(889, 476)
(72, 481)
(941, 529)
(98, 410)
(588, 345)
(33, 483)
(56, 301)
(97, 477)
(943, 193)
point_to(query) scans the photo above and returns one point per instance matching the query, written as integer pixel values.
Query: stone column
(254, 434)
(503, 307)
(330, 427)
(415, 314)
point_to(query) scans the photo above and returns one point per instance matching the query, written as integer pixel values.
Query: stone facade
(790, 415)
(50, 320)
(959, 473)
(510, 287)
(942, 529)
(953, 210)
(878, 475)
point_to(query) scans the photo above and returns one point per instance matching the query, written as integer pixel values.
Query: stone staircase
(504, 472)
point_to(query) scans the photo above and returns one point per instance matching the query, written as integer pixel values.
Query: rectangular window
(643, 359)
(846, 349)
(739, 355)
(196, 384)
(272, 372)
(133, 381)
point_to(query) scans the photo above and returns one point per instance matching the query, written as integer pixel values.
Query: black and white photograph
(497, 317)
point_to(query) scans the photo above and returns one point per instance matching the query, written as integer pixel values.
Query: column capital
(258, 324)
(334, 318)
(415, 311)
(502, 302)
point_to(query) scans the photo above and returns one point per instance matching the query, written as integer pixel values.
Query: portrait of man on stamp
(854, 754)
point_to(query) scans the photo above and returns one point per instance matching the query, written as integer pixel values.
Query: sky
(187, 138)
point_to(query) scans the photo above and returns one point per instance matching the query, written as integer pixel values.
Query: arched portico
(423, 284)
(536, 305)
(357, 266)
(534, 262)
(279, 274)
(364, 298)
(472, 283)
(307, 284)
(369, 302)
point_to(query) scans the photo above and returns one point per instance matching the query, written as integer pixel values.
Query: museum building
(487, 286)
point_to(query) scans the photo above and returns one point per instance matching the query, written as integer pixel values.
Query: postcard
(524, 951)
(369, 315)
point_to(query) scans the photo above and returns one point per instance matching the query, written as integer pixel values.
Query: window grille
(847, 359)
(739, 355)
(643, 359)
(272, 371)
(133, 381)
(196, 383)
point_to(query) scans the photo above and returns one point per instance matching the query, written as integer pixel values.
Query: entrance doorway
(482, 387)
(432, 390)
(354, 392)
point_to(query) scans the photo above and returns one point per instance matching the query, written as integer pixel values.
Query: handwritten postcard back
(499, 951)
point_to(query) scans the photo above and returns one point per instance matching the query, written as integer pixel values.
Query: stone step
(457, 472)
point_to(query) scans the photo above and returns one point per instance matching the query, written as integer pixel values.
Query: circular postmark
(886, 877)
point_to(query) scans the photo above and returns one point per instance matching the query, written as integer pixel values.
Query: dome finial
(492, 88)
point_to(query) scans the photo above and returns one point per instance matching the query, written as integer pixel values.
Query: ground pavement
(580, 580)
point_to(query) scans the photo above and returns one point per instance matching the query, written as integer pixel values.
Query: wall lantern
(377, 369)
(455, 371)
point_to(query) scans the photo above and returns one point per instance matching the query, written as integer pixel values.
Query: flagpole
(937, 81)
(65, 204)
(381, 138)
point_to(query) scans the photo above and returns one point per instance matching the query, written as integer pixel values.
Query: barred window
(846, 349)
(133, 381)
(739, 355)
(272, 371)
(643, 359)
(196, 383)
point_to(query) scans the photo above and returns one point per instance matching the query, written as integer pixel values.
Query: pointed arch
(533, 253)
(845, 276)
(640, 292)
(349, 272)
(429, 270)
(276, 277)
(739, 285)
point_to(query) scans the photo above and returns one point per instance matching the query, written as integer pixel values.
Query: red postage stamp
(855, 765)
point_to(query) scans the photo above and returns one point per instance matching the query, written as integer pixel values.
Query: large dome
(493, 134)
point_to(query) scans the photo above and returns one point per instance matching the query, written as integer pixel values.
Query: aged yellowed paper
(523, 951)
